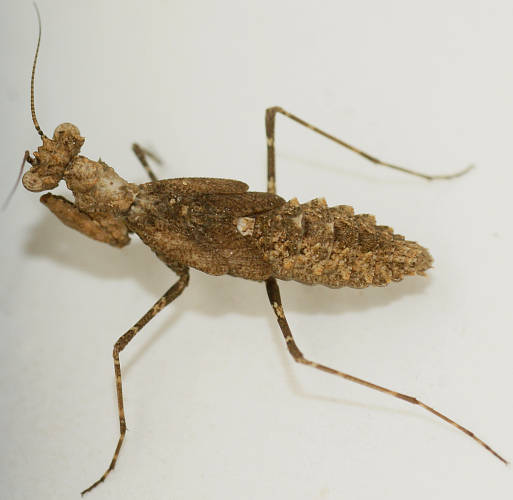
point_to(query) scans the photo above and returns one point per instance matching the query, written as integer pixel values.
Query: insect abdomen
(316, 244)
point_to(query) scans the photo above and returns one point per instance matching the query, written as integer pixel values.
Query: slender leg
(141, 154)
(121, 343)
(274, 297)
(270, 118)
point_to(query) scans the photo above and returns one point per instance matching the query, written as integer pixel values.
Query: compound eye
(34, 182)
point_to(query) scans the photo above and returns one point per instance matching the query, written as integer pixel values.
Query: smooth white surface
(215, 407)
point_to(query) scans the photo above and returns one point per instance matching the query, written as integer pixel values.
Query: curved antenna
(32, 107)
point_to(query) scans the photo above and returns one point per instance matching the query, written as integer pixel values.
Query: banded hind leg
(270, 120)
(273, 293)
(121, 343)
(273, 290)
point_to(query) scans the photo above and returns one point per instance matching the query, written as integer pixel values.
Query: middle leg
(121, 343)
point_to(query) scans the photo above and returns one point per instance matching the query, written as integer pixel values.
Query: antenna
(26, 156)
(32, 107)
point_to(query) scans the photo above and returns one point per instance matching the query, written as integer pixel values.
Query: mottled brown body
(316, 244)
(194, 222)
(258, 235)
(218, 227)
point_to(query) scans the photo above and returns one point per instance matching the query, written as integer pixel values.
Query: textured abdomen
(316, 244)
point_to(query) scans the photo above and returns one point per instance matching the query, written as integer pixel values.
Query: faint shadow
(296, 388)
(358, 169)
(210, 295)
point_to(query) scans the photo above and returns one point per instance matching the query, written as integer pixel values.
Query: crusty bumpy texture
(216, 226)
(316, 244)
(53, 157)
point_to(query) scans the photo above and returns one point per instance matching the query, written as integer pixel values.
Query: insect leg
(270, 118)
(111, 232)
(121, 343)
(274, 297)
(141, 154)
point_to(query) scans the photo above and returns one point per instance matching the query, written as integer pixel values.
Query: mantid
(219, 227)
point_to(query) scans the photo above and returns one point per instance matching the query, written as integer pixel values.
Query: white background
(215, 407)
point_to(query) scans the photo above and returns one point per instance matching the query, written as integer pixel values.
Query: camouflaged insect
(219, 227)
